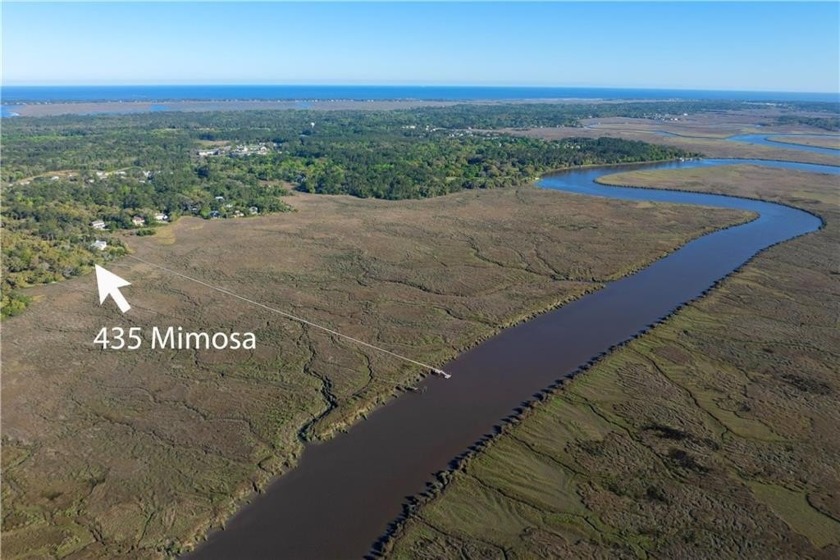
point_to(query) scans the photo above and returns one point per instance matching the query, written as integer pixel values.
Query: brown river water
(344, 493)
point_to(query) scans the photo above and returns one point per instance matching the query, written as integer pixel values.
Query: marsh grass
(714, 435)
(138, 454)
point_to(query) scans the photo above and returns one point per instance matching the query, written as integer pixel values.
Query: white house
(161, 217)
(99, 245)
(138, 221)
(98, 224)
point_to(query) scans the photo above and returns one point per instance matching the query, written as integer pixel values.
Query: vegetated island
(831, 142)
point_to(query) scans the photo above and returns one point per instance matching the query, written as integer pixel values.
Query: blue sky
(749, 46)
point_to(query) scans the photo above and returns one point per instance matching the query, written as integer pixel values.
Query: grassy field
(816, 141)
(712, 436)
(137, 454)
(705, 134)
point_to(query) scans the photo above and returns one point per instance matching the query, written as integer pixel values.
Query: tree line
(61, 174)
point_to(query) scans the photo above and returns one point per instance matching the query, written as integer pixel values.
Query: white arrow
(109, 284)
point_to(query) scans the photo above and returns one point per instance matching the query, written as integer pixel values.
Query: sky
(718, 46)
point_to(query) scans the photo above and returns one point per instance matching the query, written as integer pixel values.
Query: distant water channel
(767, 140)
(345, 492)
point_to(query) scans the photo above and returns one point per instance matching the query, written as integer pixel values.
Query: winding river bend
(774, 141)
(345, 492)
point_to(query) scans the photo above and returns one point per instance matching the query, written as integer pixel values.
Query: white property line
(294, 318)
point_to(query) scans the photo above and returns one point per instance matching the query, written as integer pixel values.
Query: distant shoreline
(152, 93)
(47, 109)
(42, 101)
(55, 108)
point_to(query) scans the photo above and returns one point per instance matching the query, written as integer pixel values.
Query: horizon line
(392, 85)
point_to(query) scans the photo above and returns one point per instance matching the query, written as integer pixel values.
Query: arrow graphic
(109, 284)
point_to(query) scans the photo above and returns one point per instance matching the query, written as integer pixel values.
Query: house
(99, 245)
(98, 224)
(161, 217)
(138, 221)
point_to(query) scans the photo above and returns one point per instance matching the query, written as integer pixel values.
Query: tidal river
(773, 141)
(345, 492)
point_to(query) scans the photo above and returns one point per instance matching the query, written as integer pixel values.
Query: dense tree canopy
(826, 123)
(62, 174)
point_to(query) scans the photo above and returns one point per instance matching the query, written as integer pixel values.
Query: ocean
(10, 95)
